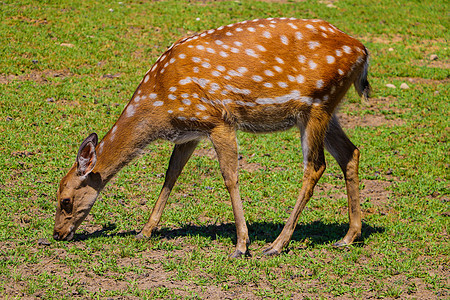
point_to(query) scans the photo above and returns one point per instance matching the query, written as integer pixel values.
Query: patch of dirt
(349, 121)
(418, 80)
(40, 77)
(375, 105)
(384, 39)
(441, 64)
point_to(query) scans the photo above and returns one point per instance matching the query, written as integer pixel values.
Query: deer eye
(65, 201)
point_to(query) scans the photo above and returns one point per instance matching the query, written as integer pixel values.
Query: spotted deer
(257, 76)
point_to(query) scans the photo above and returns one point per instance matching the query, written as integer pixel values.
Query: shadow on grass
(316, 232)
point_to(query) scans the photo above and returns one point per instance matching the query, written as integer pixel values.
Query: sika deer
(257, 76)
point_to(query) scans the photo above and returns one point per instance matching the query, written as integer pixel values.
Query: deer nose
(56, 235)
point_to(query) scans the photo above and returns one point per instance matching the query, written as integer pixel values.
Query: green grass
(53, 95)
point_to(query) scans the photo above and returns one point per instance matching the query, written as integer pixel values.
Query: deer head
(77, 191)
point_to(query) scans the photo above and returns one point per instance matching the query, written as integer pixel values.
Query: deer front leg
(347, 156)
(180, 155)
(314, 166)
(224, 141)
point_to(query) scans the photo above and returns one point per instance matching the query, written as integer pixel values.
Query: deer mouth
(64, 236)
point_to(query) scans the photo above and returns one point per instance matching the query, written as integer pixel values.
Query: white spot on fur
(158, 103)
(301, 58)
(347, 49)
(278, 69)
(313, 45)
(284, 39)
(282, 84)
(292, 26)
(214, 86)
(146, 78)
(185, 81)
(100, 148)
(130, 110)
(312, 65)
(266, 34)
(257, 78)
(298, 35)
(152, 95)
(268, 73)
(338, 53)
(234, 73)
(293, 95)
(279, 60)
(268, 84)
(172, 97)
(261, 48)
(221, 68)
(242, 70)
(251, 52)
(307, 100)
(319, 83)
(237, 90)
(182, 56)
(330, 59)
(201, 107)
(172, 89)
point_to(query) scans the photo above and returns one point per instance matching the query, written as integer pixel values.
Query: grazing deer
(257, 76)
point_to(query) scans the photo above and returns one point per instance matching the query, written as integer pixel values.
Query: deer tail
(361, 83)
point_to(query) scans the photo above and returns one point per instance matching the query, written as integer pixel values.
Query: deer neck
(132, 132)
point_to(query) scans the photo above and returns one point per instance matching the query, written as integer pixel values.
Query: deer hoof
(341, 243)
(141, 236)
(239, 254)
(271, 252)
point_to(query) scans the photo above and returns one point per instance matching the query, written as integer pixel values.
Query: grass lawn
(68, 68)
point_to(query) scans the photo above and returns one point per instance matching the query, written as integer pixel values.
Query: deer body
(256, 76)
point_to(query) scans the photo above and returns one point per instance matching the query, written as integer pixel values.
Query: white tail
(257, 76)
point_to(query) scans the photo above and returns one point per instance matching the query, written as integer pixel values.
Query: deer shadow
(317, 232)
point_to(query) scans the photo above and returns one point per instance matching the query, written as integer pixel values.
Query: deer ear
(86, 157)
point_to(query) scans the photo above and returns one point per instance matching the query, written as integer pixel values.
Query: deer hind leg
(224, 141)
(180, 155)
(347, 156)
(314, 165)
